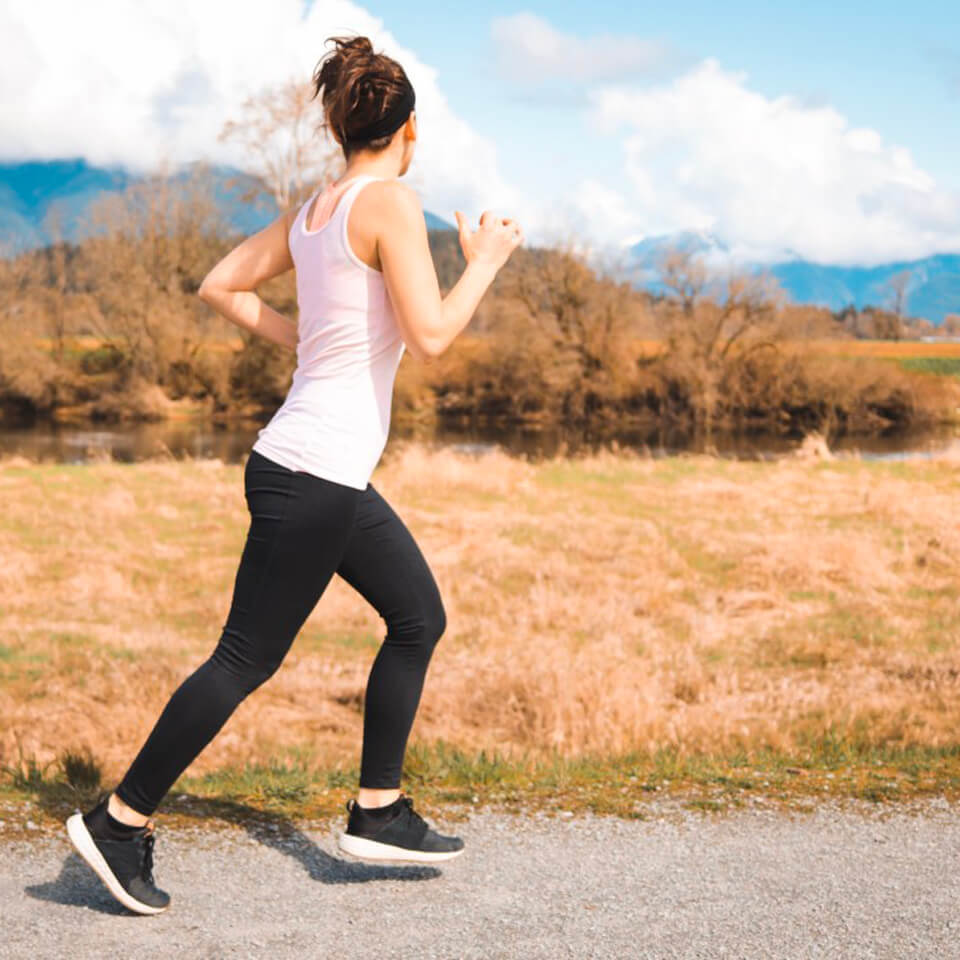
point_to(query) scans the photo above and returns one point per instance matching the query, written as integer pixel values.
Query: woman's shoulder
(395, 199)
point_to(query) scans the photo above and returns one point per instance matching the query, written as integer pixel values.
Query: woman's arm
(428, 322)
(230, 286)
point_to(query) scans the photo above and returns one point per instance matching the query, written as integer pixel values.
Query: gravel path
(840, 882)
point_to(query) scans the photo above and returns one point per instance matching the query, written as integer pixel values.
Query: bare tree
(280, 128)
(563, 338)
(686, 277)
(951, 325)
(149, 250)
(56, 291)
(710, 329)
(712, 326)
(897, 300)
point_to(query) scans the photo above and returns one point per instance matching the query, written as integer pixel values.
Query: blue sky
(892, 66)
(829, 131)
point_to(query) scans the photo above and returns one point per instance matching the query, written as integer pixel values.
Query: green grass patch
(21, 663)
(532, 535)
(66, 640)
(516, 581)
(828, 764)
(821, 639)
(268, 785)
(937, 366)
(918, 471)
(312, 640)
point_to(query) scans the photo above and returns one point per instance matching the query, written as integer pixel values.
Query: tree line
(110, 327)
(104, 324)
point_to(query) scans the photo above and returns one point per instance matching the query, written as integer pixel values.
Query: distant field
(937, 359)
(887, 348)
(703, 614)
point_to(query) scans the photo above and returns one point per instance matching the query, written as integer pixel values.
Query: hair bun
(355, 47)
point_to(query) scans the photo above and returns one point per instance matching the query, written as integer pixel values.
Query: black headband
(392, 120)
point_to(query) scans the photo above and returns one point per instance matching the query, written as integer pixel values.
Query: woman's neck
(386, 167)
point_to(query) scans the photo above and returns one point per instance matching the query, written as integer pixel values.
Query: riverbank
(230, 439)
(840, 387)
(617, 625)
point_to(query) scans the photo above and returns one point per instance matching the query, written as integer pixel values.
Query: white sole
(85, 846)
(364, 849)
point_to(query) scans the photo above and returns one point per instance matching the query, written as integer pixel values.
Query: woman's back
(335, 419)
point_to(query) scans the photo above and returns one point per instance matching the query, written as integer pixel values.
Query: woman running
(367, 290)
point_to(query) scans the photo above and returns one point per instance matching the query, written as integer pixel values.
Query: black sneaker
(395, 832)
(124, 865)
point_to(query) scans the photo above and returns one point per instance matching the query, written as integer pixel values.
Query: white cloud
(705, 152)
(136, 83)
(593, 219)
(133, 83)
(530, 49)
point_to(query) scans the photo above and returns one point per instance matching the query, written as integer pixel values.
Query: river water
(62, 443)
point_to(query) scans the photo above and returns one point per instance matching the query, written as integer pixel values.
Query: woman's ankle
(370, 798)
(120, 811)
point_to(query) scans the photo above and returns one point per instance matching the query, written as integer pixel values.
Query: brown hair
(359, 87)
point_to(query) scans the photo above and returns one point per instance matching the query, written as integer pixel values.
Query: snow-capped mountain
(933, 290)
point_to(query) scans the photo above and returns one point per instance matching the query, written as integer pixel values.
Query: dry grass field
(837, 347)
(604, 607)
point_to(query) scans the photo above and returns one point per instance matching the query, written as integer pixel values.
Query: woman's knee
(422, 626)
(244, 662)
(436, 620)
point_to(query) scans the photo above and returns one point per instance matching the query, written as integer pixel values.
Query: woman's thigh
(299, 527)
(383, 562)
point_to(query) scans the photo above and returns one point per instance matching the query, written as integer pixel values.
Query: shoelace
(412, 815)
(146, 869)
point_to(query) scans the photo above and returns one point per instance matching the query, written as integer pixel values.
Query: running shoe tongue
(148, 857)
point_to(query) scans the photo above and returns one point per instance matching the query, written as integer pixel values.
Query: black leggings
(303, 529)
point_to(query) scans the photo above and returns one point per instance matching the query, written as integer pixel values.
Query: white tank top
(335, 419)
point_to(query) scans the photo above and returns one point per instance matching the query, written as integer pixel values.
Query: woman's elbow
(213, 287)
(433, 350)
(425, 351)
